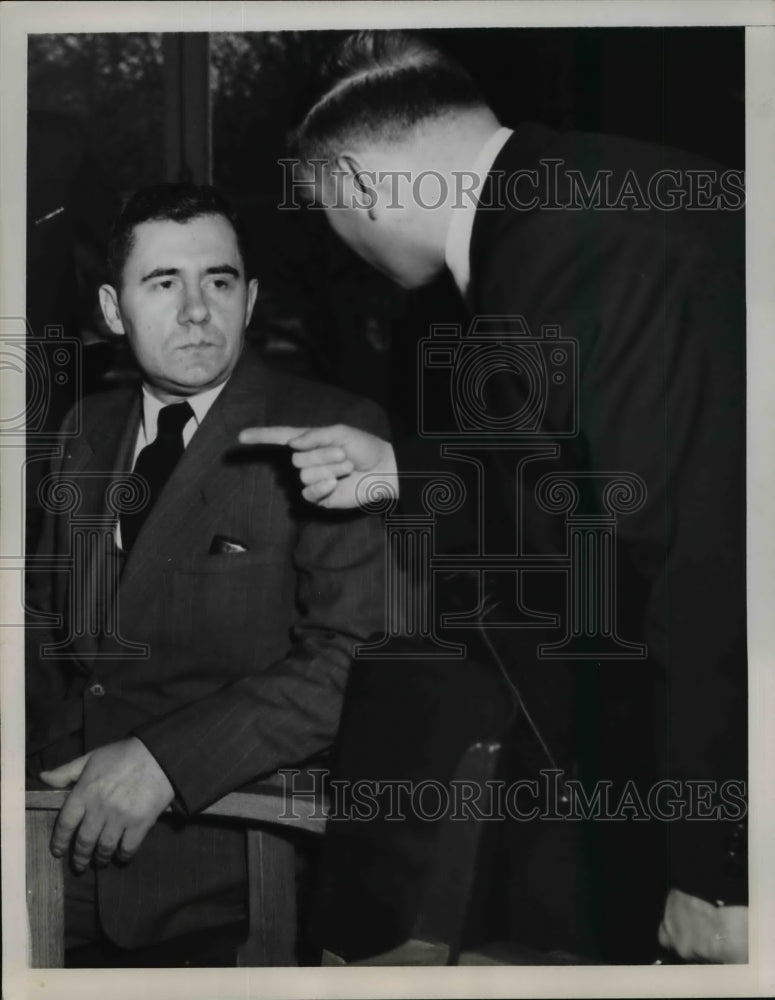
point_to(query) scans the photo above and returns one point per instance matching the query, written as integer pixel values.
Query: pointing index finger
(269, 435)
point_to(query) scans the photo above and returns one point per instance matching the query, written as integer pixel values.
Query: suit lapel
(105, 451)
(102, 455)
(522, 152)
(197, 485)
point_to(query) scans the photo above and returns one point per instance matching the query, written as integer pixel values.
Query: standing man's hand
(332, 460)
(697, 930)
(119, 792)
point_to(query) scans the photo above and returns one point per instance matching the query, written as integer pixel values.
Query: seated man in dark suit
(205, 625)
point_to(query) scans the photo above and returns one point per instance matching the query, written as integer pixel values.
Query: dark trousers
(588, 887)
(86, 946)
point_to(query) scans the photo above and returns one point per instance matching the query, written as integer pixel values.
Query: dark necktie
(155, 464)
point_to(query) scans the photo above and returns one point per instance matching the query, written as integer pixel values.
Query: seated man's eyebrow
(170, 272)
(160, 272)
(223, 269)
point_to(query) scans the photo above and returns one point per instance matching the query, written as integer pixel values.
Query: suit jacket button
(97, 690)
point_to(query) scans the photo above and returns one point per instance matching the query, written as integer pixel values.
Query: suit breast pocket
(231, 562)
(230, 612)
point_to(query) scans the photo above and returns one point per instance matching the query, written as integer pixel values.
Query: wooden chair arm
(271, 818)
(260, 804)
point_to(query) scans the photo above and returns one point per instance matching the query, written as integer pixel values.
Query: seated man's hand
(119, 792)
(699, 931)
(332, 460)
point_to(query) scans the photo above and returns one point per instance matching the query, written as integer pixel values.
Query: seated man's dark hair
(376, 85)
(167, 202)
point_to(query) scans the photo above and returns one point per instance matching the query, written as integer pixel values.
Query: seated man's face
(183, 303)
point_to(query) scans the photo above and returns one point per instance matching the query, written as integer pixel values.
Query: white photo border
(17, 20)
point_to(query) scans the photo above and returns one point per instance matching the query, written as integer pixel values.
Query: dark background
(97, 128)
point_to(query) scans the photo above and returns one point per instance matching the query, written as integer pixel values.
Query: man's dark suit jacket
(248, 653)
(655, 301)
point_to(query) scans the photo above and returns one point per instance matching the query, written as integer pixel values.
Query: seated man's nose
(194, 308)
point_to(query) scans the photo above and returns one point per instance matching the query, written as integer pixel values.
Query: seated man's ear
(251, 300)
(110, 309)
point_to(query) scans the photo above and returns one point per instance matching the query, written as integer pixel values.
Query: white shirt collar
(458, 245)
(149, 425)
(200, 404)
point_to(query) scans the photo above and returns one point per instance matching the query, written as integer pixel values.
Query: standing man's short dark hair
(377, 85)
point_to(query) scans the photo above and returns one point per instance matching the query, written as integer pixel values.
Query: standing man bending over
(635, 253)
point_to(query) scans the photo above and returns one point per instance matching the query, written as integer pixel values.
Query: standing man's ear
(359, 186)
(110, 309)
(252, 293)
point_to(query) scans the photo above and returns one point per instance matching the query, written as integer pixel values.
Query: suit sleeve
(50, 714)
(661, 329)
(289, 711)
